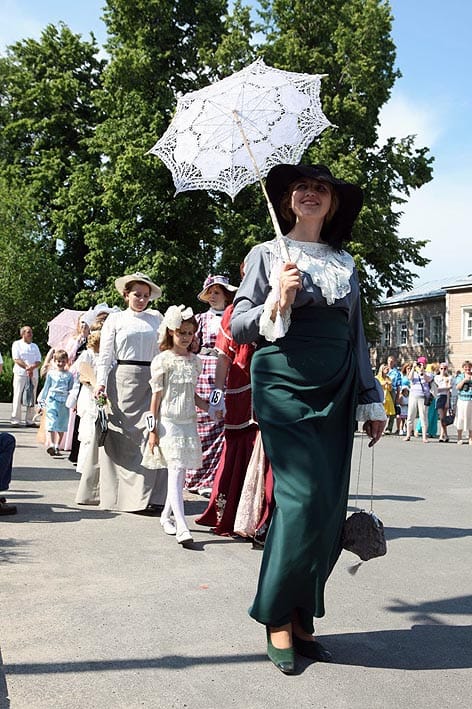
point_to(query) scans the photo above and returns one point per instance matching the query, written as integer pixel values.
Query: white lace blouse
(176, 376)
(329, 279)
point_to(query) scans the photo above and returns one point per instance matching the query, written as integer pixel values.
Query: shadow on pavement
(460, 605)
(11, 551)
(173, 662)
(421, 647)
(31, 512)
(41, 474)
(427, 532)
(395, 498)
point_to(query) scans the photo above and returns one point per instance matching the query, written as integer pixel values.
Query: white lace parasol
(270, 113)
(229, 134)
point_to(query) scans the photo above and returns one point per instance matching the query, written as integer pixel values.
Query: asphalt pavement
(102, 609)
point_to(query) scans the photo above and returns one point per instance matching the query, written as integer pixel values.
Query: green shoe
(284, 660)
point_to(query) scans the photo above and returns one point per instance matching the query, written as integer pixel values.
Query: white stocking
(175, 497)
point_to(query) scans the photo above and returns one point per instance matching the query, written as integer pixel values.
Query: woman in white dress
(127, 346)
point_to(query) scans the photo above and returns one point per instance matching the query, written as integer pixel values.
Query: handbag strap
(371, 476)
(421, 384)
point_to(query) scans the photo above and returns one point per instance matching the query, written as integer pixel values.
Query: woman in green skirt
(312, 380)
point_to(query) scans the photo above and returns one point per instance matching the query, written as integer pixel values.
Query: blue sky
(432, 100)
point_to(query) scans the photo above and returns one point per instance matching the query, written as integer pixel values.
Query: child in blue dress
(54, 394)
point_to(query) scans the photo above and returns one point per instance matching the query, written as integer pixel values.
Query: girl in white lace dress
(173, 420)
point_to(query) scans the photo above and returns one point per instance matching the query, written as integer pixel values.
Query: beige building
(434, 319)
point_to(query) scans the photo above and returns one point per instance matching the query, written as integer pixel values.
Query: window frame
(440, 319)
(403, 330)
(416, 339)
(466, 322)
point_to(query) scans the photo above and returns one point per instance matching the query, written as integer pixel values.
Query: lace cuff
(274, 329)
(371, 412)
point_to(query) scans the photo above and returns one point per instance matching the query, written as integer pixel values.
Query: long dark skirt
(304, 389)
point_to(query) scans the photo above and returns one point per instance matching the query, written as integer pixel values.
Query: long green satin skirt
(305, 395)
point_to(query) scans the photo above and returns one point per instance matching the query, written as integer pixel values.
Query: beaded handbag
(363, 532)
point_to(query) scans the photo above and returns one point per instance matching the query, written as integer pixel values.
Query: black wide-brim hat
(350, 198)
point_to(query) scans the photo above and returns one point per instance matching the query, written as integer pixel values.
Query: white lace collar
(329, 269)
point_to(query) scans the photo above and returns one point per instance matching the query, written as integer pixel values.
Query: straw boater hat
(215, 281)
(350, 198)
(122, 282)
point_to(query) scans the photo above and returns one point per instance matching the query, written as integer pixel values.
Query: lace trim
(184, 370)
(274, 329)
(220, 507)
(330, 270)
(192, 444)
(371, 412)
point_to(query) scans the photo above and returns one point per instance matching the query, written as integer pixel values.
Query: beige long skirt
(116, 477)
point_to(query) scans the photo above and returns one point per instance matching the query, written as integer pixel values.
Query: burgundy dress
(240, 430)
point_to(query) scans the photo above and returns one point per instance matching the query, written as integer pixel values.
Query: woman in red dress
(240, 430)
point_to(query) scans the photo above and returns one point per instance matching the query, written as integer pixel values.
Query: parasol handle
(270, 207)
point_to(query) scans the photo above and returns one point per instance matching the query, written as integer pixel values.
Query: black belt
(133, 361)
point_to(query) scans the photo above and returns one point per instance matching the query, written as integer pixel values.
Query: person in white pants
(27, 358)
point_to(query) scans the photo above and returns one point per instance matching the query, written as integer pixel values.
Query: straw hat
(122, 282)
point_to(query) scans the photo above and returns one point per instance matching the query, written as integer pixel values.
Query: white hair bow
(173, 318)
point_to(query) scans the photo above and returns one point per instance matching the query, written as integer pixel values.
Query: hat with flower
(210, 281)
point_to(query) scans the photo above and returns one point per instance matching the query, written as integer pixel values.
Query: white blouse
(127, 335)
(176, 376)
(330, 270)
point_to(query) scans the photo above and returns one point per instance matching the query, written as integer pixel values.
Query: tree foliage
(157, 51)
(351, 43)
(30, 272)
(75, 133)
(47, 114)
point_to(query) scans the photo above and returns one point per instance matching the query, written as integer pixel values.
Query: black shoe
(284, 660)
(7, 509)
(150, 511)
(311, 649)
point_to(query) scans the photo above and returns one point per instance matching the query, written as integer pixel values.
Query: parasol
(230, 133)
(63, 327)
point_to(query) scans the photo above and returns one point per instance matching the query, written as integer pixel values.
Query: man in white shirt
(27, 358)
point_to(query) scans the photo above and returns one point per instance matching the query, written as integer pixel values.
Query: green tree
(31, 274)
(157, 50)
(242, 223)
(47, 115)
(350, 41)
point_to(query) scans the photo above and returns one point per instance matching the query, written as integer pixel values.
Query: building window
(403, 332)
(387, 334)
(419, 332)
(437, 333)
(467, 324)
